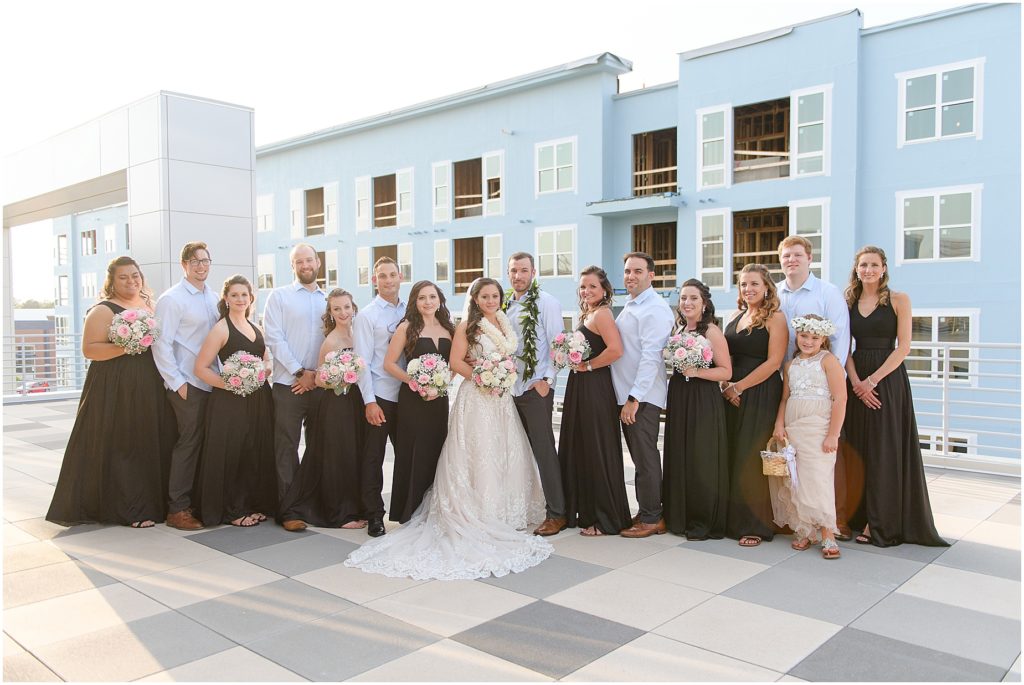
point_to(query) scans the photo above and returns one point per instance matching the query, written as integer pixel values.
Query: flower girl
(810, 416)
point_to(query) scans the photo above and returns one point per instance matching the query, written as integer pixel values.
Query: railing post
(945, 402)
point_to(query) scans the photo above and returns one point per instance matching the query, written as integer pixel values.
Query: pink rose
(146, 341)
(323, 375)
(345, 358)
(334, 370)
(429, 363)
(129, 315)
(689, 343)
(235, 382)
(560, 359)
(707, 354)
(680, 353)
(431, 392)
(560, 338)
(123, 331)
(675, 338)
(151, 322)
(351, 377)
(244, 372)
(510, 365)
(423, 379)
(488, 365)
(575, 357)
(261, 376)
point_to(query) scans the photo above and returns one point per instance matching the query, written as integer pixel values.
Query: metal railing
(40, 366)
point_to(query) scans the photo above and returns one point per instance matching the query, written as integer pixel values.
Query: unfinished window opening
(761, 135)
(383, 251)
(469, 262)
(468, 188)
(654, 162)
(659, 241)
(315, 212)
(756, 238)
(385, 202)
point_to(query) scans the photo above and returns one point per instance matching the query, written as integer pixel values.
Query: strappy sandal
(801, 544)
(829, 549)
(750, 541)
(142, 524)
(242, 522)
(260, 518)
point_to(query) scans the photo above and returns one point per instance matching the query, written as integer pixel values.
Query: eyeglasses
(199, 262)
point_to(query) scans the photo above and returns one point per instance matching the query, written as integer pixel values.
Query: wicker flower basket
(773, 461)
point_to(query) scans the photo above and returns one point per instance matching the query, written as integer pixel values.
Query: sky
(306, 65)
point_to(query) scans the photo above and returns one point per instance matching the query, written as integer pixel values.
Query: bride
(486, 488)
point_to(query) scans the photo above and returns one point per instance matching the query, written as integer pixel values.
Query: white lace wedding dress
(486, 491)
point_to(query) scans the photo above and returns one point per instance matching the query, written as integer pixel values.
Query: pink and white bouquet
(135, 330)
(431, 376)
(243, 373)
(341, 370)
(687, 350)
(569, 347)
(494, 373)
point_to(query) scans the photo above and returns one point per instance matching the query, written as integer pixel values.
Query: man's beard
(307, 278)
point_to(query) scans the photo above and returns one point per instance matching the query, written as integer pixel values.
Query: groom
(536, 318)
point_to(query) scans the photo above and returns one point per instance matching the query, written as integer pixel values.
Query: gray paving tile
(133, 650)
(41, 529)
(24, 427)
(548, 638)
(301, 553)
(854, 655)
(25, 668)
(343, 645)
(557, 573)
(962, 632)
(988, 559)
(837, 591)
(60, 444)
(235, 539)
(54, 580)
(265, 610)
(925, 555)
(769, 553)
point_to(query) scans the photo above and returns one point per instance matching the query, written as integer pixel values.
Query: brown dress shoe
(294, 525)
(644, 530)
(183, 520)
(550, 527)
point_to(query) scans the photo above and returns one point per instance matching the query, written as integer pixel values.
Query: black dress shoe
(375, 528)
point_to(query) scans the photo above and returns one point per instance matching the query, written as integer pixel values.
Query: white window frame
(726, 214)
(554, 230)
(404, 211)
(973, 315)
(826, 134)
(297, 216)
(574, 318)
(62, 255)
(364, 212)
(975, 189)
(331, 208)
(363, 262)
(446, 247)
(497, 207)
(88, 286)
(262, 262)
(536, 165)
(500, 274)
(110, 238)
(331, 264)
(63, 291)
(441, 212)
(61, 328)
(727, 145)
(826, 207)
(407, 261)
(95, 242)
(265, 213)
(901, 95)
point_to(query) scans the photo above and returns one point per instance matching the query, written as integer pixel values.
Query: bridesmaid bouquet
(341, 370)
(243, 373)
(430, 376)
(569, 347)
(494, 373)
(135, 330)
(687, 350)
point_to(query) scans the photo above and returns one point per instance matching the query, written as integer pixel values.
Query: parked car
(33, 387)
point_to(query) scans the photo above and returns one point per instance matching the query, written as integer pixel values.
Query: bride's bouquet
(135, 330)
(569, 347)
(430, 376)
(341, 370)
(243, 373)
(687, 350)
(494, 373)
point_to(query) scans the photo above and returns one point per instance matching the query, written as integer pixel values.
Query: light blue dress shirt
(371, 333)
(186, 315)
(294, 329)
(549, 325)
(819, 297)
(644, 324)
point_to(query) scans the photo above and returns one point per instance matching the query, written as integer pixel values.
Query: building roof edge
(942, 14)
(756, 37)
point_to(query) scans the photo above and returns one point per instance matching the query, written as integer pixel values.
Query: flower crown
(822, 327)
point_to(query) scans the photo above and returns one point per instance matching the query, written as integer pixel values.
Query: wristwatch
(589, 367)
(298, 374)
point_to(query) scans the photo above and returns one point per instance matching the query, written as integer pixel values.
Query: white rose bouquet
(431, 376)
(494, 373)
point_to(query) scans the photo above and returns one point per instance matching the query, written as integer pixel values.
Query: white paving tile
(152, 552)
(702, 570)
(16, 536)
(449, 661)
(966, 589)
(186, 585)
(32, 555)
(237, 664)
(953, 527)
(354, 584)
(995, 534)
(610, 551)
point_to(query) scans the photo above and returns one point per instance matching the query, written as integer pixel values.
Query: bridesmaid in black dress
(881, 428)
(757, 344)
(695, 485)
(237, 475)
(589, 447)
(325, 489)
(423, 422)
(115, 465)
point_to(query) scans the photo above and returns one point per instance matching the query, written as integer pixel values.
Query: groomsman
(536, 317)
(641, 386)
(186, 312)
(371, 333)
(803, 293)
(293, 325)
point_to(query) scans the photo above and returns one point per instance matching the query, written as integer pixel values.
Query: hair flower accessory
(822, 327)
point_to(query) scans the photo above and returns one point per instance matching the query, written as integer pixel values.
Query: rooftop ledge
(628, 205)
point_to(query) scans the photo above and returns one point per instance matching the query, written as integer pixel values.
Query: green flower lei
(528, 320)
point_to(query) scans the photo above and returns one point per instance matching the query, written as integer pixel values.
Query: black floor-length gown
(695, 481)
(895, 500)
(237, 473)
(325, 490)
(750, 426)
(590, 449)
(116, 463)
(423, 427)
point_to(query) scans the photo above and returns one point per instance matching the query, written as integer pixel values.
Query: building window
(477, 185)
(392, 199)
(61, 328)
(756, 236)
(809, 219)
(109, 239)
(89, 242)
(938, 224)
(812, 141)
(405, 261)
(712, 141)
(363, 203)
(363, 266)
(940, 102)
(556, 166)
(959, 443)
(88, 286)
(555, 251)
(265, 271)
(494, 267)
(441, 172)
(711, 247)
(63, 372)
(659, 241)
(761, 141)
(469, 262)
(654, 162)
(314, 211)
(62, 250)
(951, 326)
(264, 213)
(127, 237)
(331, 268)
(441, 261)
(62, 291)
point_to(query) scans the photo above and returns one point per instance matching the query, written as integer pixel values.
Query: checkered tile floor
(261, 604)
